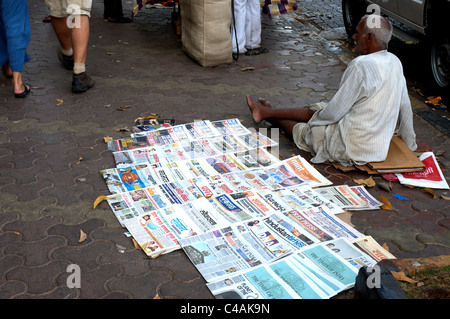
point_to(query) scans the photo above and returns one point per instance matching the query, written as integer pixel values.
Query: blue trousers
(15, 33)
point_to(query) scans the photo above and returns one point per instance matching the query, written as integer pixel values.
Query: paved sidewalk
(52, 149)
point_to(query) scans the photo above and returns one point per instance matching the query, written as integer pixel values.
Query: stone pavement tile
(115, 234)
(178, 264)
(32, 231)
(380, 219)
(133, 262)
(86, 256)
(12, 289)
(40, 279)
(28, 210)
(433, 205)
(6, 217)
(59, 151)
(35, 253)
(56, 293)
(66, 179)
(27, 175)
(403, 236)
(69, 195)
(23, 161)
(195, 289)
(6, 180)
(28, 192)
(146, 286)
(72, 232)
(8, 262)
(7, 238)
(93, 282)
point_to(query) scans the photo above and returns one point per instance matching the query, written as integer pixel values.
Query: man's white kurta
(247, 14)
(357, 125)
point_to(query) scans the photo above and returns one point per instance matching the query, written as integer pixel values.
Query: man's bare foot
(264, 102)
(255, 109)
(7, 70)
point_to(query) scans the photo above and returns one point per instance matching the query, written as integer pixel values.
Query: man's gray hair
(379, 27)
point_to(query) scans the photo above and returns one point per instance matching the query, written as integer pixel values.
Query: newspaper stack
(240, 213)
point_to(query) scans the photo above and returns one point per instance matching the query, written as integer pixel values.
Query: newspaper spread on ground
(315, 272)
(253, 225)
(221, 252)
(362, 193)
(279, 233)
(273, 177)
(342, 196)
(127, 205)
(372, 248)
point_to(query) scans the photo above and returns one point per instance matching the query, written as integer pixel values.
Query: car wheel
(439, 62)
(353, 11)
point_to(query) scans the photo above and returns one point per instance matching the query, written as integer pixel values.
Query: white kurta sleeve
(405, 122)
(351, 90)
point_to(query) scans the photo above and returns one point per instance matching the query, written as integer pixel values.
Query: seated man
(357, 125)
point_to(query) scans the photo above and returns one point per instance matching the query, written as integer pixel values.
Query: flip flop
(24, 93)
(256, 51)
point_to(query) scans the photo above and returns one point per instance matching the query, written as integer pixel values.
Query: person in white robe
(246, 27)
(358, 123)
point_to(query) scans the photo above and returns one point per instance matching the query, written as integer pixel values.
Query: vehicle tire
(438, 65)
(352, 11)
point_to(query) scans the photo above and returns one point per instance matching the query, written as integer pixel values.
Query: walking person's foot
(81, 82)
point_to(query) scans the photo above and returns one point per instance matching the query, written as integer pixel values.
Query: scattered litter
(120, 248)
(60, 102)
(436, 102)
(123, 108)
(248, 68)
(399, 197)
(390, 177)
(386, 186)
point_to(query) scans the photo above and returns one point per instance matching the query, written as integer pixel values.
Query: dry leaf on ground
(429, 191)
(366, 182)
(386, 204)
(400, 275)
(107, 139)
(83, 236)
(99, 200)
(135, 243)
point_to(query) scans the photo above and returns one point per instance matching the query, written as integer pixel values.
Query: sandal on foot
(24, 93)
(256, 51)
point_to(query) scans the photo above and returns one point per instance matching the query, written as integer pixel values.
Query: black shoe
(66, 60)
(119, 20)
(82, 82)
